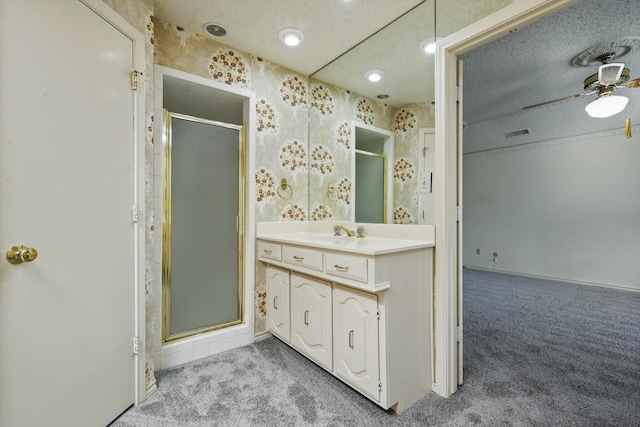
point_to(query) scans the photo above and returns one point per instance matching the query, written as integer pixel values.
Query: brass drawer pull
(341, 268)
(275, 303)
(298, 258)
(306, 317)
(351, 339)
(266, 251)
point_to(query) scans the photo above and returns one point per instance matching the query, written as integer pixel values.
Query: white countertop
(369, 245)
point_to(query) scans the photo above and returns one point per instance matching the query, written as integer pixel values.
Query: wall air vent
(517, 133)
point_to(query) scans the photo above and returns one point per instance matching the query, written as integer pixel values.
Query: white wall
(566, 208)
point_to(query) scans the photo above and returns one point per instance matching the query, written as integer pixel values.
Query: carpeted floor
(537, 353)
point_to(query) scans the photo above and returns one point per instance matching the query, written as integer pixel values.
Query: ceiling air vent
(517, 133)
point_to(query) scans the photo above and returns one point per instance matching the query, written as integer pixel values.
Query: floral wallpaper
(282, 104)
(300, 175)
(332, 111)
(407, 122)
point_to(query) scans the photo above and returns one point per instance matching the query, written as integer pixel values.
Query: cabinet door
(278, 302)
(355, 340)
(311, 319)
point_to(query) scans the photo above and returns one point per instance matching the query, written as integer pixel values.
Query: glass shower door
(201, 239)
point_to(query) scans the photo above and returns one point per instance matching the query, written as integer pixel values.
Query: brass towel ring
(332, 194)
(284, 189)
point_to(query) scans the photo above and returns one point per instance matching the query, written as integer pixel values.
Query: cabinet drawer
(347, 266)
(302, 257)
(269, 250)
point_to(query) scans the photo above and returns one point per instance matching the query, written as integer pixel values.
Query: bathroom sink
(338, 240)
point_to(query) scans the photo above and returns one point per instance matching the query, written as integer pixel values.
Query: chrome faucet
(337, 228)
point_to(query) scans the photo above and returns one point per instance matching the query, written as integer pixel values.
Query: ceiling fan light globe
(606, 106)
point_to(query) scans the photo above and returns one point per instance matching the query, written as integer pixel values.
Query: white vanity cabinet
(355, 340)
(361, 312)
(311, 319)
(278, 307)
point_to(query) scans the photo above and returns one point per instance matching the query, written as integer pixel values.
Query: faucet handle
(336, 230)
(360, 231)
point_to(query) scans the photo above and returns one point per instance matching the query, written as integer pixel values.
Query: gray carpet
(537, 353)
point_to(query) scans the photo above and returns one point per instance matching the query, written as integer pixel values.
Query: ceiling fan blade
(634, 83)
(566, 98)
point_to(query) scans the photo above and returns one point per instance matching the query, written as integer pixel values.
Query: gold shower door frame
(166, 227)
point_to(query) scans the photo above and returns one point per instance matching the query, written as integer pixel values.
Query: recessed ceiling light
(428, 45)
(291, 36)
(374, 75)
(215, 30)
(382, 96)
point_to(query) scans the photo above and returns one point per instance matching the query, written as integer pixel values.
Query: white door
(278, 308)
(66, 189)
(311, 329)
(355, 340)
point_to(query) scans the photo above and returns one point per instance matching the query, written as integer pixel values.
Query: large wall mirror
(342, 99)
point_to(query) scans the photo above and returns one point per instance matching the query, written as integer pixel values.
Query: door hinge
(135, 345)
(134, 79)
(458, 213)
(459, 334)
(424, 151)
(134, 213)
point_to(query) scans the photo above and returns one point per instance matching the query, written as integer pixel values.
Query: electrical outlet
(477, 251)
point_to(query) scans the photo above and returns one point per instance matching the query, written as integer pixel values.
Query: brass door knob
(20, 254)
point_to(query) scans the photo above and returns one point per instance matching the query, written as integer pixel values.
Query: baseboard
(536, 276)
(262, 336)
(151, 388)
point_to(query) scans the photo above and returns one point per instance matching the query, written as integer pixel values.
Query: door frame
(138, 204)
(447, 159)
(246, 224)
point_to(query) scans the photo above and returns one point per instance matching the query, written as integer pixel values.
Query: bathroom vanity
(358, 307)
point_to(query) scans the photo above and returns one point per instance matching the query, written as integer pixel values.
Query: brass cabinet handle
(275, 303)
(306, 317)
(20, 254)
(341, 268)
(351, 339)
(298, 258)
(266, 251)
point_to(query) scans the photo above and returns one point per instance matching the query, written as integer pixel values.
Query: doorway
(212, 101)
(448, 161)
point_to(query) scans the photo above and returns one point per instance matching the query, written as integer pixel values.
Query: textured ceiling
(533, 65)
(331, 27)
(528, 66)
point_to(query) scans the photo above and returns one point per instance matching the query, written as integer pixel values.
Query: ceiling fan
(610, 76)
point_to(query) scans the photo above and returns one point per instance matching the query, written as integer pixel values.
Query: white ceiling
(528, 66)
(533, 65)
(331, 27)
